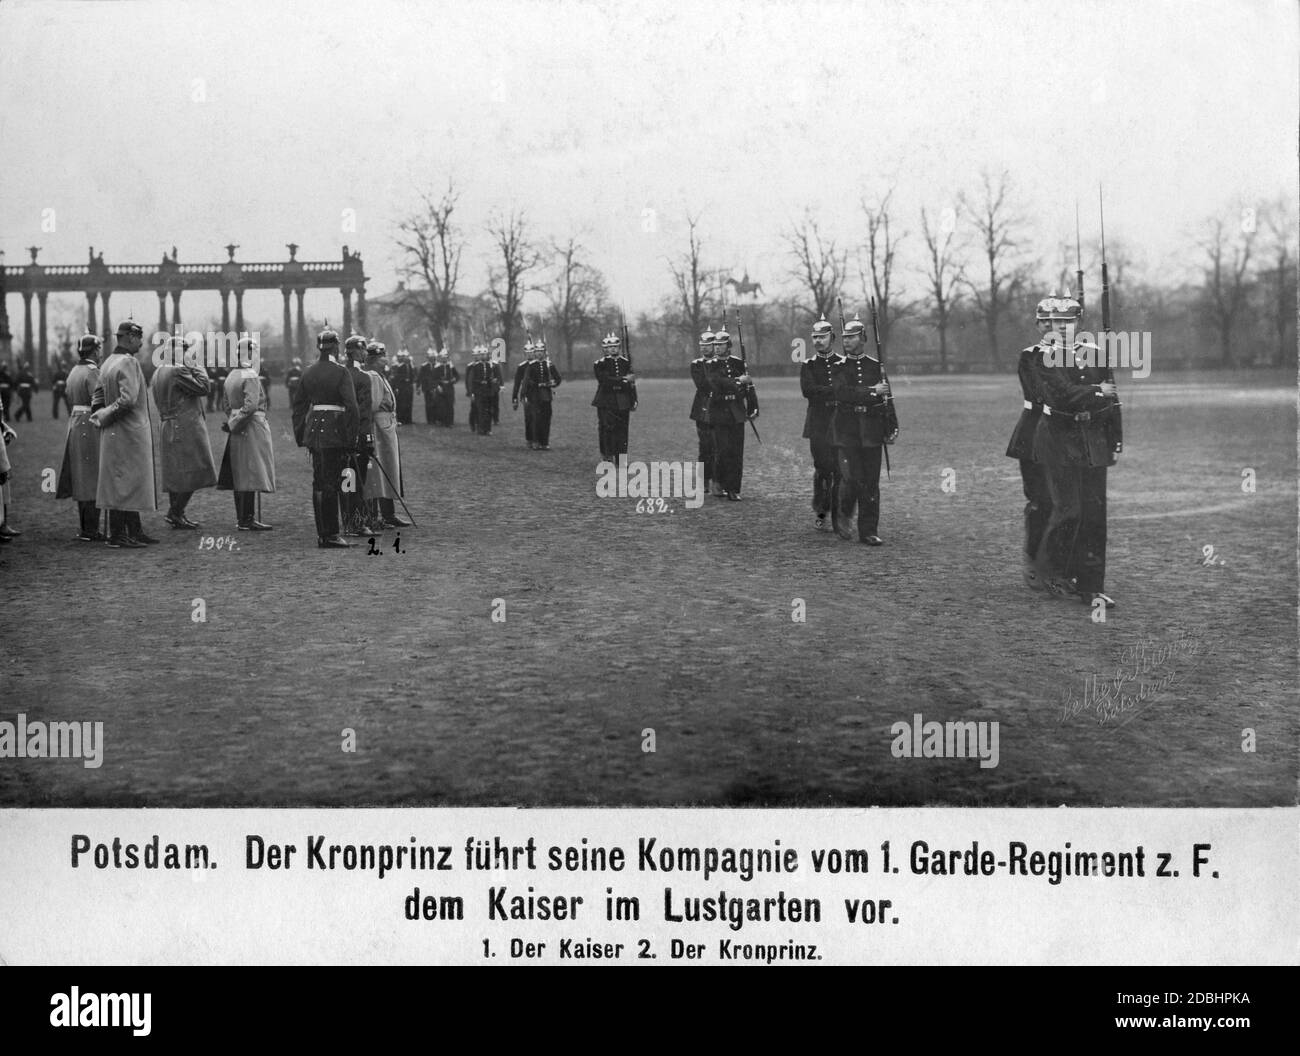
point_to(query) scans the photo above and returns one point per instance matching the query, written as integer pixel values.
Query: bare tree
(576, 294)
(943, 275)
(694, 286)
(819, 265)
(1280, 222)
(877, 268)
(432, 246)
(997, 225)
(1228, 247)
(517, 255)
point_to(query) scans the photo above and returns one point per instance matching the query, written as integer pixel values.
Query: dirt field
(680, 622)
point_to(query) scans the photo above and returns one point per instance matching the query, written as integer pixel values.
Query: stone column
(27, 326)
(43, 367)
(286, 340)
(162, 311)
(108, 323)
(361, 308)
(90, 312)
(225, 311)
(302, 324)
(347, 314)
(239, 309)
(176, 307)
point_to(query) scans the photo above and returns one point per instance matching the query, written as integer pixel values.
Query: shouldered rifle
(740, 342)
(627, 338)
(1116, 424)
(891, 417)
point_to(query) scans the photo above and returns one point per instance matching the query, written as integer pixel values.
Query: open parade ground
(723, 655)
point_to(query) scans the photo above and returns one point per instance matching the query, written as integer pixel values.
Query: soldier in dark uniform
(615, 398)
(445, 378)
(6, 391)
(732, 401)
(325, 418)
(539, 382)
(483, 382)
(860, 426)
(514, 394)
(27, 388)
(264, 376)
(1076, 440)
(59, 388)
(292, 377)
(1033, 475)
(817, 383)
(356, 512)
(700, 411)
(402, 380)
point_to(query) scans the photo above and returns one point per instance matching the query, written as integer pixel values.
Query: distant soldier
(128, 480)
(1076, 441)
(59, 388)
(424, 383)
(264, 376)
(402, 380)
(615, 398)
(514, 395)
(325, 417)
(817, 383)
(27, 388)
(6, 391)
(79, 474)
(1033, 475)
(248, 467)
(356, 513)
(179, 390)
(445, 379)
(217, 379)
(700, 411)
(732, 402)
(292, 377)
(483, 383)
(860, 427)
(384, 481)
(541, 379)
(7, 436)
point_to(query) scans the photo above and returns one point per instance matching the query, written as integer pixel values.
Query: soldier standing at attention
(424, 381)
(817, 383)
(700, 411)
(859, 429)
(384, 481)
(79, 475)
(128, 482)
(185, 452)
(1033, 475)
(27, 388)
(445, 378)
(1076, 443)
(325, 417)
(292, 377)
(403, 382)
(732, 401)
(356, 514)
(615, 398)
(540, 380)
(250, 457)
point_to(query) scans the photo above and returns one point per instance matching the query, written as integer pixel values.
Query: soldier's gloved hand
(892, 437)
(754, 415)
(629, 378)
(743, 379)
(97, 419)
(514, 404)
(225, 427)
(1108, 389)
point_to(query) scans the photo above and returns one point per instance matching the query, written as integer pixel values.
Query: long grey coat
(383, 403)
(252, 458)
(184, 450)
(79, 475)
(128, 471)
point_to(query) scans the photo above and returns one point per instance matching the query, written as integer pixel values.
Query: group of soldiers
(849, 421)
(724, 401)
(25, 386)
(1068, 435)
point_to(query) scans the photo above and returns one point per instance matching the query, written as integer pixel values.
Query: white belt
(80, 407)
(328, 407)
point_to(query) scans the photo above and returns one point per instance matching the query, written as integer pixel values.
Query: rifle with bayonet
(1115, 424)
(891, 417)
(740, 341)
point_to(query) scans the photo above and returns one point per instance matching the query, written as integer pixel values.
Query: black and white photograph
(568, 404)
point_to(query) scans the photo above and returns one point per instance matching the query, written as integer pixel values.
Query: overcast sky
(151, 124)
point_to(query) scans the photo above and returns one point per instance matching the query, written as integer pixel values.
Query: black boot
(135, 529)
(326, 506)
(119, 538)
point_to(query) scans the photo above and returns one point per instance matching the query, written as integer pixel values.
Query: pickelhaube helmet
(528, 347)
(248, 351)
(721, 337)
(442, 353)
(130, 326)
(89, 344)
(855, 327)
(297, 362)
(431, 352)
(822, 328)
(539, 344)
(376, 348)
(609, 341)
(706, 338)
(479, 350)
(355, 343)
(327, 337)
(1058, 307)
